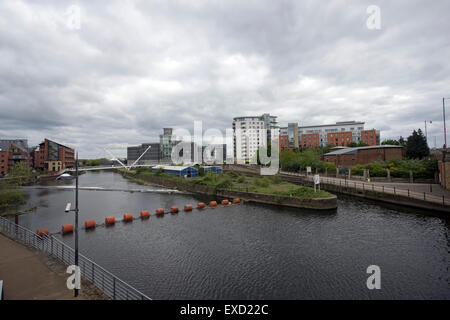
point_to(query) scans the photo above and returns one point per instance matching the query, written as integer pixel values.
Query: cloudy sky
(120, 71)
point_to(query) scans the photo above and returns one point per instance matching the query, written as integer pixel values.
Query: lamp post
(426, 134)
(445, 129)
(76, 221)
(68, 206)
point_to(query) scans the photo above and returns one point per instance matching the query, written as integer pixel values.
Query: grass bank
(272, 185)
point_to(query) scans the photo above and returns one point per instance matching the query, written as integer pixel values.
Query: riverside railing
(109, 284)
(377, 187)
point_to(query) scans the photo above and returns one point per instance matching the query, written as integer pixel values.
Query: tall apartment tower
(252, 132)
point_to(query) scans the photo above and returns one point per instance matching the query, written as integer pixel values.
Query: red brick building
(13, 152)
(340, 138)
(370, 137)
(310, 140)
(283, 142)
(348, 157)
(52, 156)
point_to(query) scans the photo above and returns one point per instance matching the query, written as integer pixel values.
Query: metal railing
(109, 284)
(378, 187)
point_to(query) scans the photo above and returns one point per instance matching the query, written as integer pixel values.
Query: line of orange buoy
(128, 217)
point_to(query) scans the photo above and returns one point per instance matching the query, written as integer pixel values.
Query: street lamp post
(426, 133)
(68, 209)
(445, 129)
(76, 221)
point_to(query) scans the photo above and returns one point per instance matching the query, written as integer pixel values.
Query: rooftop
(347, 150)
(19, 143)
(343, 123)
(173, 168)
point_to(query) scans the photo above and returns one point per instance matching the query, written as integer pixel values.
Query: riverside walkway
(433, 194)
(28, 274)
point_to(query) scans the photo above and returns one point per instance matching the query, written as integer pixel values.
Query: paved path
(28, 274)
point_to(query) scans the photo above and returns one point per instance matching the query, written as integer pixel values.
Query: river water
(251, 251)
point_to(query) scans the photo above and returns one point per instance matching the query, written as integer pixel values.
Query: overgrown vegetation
(236, 181)
(421, 169)
(10, 199)
(266, 185)
(298, 161)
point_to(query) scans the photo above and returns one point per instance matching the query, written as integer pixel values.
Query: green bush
(263, 182)
(241, 179)
(377, 169)
(226, 183)
(358, 170)
(10, 198)
(276, 179)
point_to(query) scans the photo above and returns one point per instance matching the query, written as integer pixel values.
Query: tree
(390, 142)
(416, 146)
(21, 174)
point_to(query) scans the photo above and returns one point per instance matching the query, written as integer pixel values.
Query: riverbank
(30, 275)
(378, 192)
(252, 189)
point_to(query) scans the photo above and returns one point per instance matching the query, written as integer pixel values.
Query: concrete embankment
(328, 203)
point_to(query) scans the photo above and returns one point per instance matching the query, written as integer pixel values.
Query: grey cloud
(138, 66)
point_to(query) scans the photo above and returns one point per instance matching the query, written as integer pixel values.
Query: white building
(251, 133)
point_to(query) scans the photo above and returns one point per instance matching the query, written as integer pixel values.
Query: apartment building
(53, 157)
(13, 152)
(252, 132)
(337, 134)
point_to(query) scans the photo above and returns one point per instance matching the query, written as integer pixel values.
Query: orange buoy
(89, 224)
(145, 214)
(201, 205)
(174, 209)
(213, 203)
(40, 232)
(188, 207)
(67, 228)
(110, 220)
(159, 211)
(236, 200)
(225, 202)
(127, 217)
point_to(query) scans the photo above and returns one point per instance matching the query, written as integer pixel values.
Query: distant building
(53, 157)
(347, 157)
(252, 132)
(289, 138)
(167, 141)
(217, 154)
(215, 169)
(193, 152)
(177, 170)
(337, 134)
(13, 152)
(152, 156)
